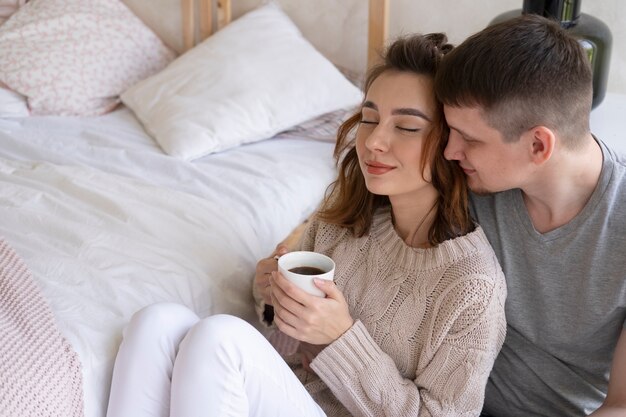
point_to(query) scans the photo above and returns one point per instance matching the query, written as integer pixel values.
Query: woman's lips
(376, 168)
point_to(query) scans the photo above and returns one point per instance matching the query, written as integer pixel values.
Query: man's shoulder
(615, 162)
(614, 156)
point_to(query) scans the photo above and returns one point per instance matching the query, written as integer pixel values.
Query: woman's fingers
(289, 309)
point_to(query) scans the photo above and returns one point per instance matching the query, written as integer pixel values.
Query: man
(552, 200)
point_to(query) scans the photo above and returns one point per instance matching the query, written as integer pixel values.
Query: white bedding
(108, 223)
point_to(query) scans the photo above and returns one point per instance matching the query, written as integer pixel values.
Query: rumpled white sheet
(109, 224)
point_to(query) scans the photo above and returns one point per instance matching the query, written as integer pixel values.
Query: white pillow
(256, 77)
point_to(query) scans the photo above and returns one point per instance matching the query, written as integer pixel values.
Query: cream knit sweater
(428, 324)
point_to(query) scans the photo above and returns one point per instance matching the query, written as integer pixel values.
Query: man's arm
(615, 403)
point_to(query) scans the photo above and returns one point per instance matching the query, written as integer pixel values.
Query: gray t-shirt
(566, 302)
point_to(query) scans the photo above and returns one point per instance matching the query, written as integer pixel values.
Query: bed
(109, 220)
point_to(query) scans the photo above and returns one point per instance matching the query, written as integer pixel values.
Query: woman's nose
(378, 139)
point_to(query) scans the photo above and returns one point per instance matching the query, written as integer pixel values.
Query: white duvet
(109, 224)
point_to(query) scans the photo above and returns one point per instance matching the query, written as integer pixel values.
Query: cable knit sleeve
(468, 329)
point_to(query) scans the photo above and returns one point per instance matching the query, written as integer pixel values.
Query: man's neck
(562, 188)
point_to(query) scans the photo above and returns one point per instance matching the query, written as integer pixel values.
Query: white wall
(461, 18)
(338, 28)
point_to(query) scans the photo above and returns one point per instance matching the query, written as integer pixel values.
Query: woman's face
(396, 117)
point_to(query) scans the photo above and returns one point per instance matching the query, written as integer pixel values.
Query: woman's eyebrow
(407, 111)
(370, 104)
(403, 111)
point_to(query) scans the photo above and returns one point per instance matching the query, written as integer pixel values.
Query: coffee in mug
(301, 267)
(306, 270)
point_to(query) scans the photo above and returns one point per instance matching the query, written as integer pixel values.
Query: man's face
(490, 163)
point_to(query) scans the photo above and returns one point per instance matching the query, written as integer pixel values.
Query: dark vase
(592, 33)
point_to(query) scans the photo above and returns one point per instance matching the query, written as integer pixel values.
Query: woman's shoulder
(316, 224)
(472, 257)
(472, 245)
(474, 283)
(324, 235)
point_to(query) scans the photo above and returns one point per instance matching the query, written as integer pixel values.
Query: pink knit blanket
(40, 374)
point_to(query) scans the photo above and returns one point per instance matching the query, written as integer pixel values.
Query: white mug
(299, 259)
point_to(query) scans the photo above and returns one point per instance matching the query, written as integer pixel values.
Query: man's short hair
(523, 72)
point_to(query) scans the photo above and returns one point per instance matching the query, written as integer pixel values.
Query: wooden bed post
(377, 24)
(206, 19)
(209, 19)
(377, 30)
(188, 23)
(225, 5)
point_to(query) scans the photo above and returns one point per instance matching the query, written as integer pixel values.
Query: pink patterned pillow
(8, 7)
(75, 57)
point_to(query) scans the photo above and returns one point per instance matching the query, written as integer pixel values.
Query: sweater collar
(448, 252)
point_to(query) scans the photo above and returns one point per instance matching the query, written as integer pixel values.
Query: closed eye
(404, 129)
(368, 122)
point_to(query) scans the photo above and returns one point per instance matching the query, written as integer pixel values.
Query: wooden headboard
(209, 21)
(377, 29)
(216, 13)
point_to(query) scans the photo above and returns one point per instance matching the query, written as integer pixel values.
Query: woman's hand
(308, 318)
(263, 270)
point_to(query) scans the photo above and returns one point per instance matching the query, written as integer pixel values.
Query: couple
(414, 324)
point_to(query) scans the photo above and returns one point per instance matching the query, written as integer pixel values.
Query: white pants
(171, 363)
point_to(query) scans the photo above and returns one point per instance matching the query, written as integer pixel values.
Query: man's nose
(454, 148)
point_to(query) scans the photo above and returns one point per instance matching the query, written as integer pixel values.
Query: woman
(414, 320)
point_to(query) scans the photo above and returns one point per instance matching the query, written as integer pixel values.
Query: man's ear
(542, 142)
